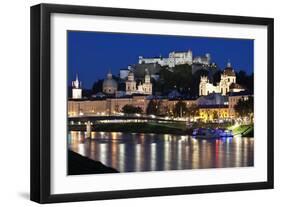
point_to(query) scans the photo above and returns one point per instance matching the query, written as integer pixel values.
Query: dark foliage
(97, 87)
(154, 107)
(180, 109)
(181, 79)
(245, 107)
(245, 80)
(130, 109)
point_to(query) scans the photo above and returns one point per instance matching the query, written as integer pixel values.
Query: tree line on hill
(187, 83)
(183, 80)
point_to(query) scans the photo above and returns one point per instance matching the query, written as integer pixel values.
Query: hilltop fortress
(177, 58)
(152, 65)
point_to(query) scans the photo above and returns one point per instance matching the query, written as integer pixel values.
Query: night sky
(92, 54)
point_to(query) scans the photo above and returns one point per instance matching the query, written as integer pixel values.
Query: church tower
(227, 78)
(203, 86)
(131, 85)
(147, 85)
(76, 88)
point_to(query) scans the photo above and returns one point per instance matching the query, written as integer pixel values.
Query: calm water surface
(128, 152)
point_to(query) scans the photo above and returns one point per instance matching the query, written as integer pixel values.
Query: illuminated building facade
(227, 83)
(111, 106)
(210, 113)
(142, 88)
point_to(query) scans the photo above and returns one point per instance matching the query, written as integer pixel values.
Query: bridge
(125, 118)
(105, 123)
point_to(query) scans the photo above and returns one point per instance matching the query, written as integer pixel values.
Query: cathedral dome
(229, 71)
(109, 85)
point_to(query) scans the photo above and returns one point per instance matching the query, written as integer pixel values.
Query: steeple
(109, 74)
(76, 88)
(228, 64)
(76, 83)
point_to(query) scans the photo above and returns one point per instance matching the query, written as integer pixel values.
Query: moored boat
(207, 133)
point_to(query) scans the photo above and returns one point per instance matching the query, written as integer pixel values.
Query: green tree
(154, 107)
(245, 80)
(192, 111)
(217, 76)
(215, 115)
(179, 77)
(97, 87)
(130, 109)
(245, 108)
(180, 109)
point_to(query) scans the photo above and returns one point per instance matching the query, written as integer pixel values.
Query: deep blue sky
(92, 54)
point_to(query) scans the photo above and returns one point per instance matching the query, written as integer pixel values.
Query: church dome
(229, 71)
(109, 85)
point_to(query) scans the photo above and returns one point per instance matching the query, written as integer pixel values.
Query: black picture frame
(41, 98)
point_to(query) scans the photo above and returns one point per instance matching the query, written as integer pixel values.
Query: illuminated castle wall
(175, 58)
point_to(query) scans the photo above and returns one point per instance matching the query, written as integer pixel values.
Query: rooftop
(241, 93)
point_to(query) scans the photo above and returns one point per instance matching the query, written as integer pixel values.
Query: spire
(76, 88)
(76, 83)
(228, 64)
(109, 74)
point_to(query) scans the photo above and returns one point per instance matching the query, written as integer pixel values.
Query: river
(127, 152)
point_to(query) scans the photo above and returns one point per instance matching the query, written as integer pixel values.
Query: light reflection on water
(154, 152)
